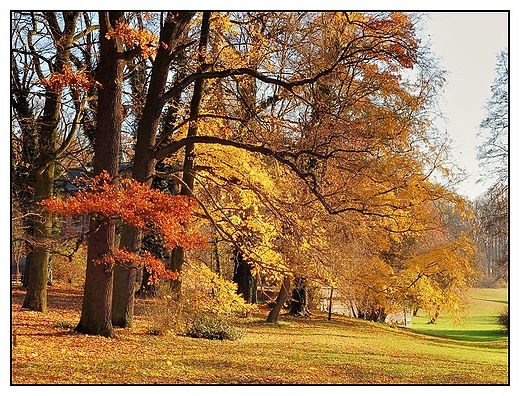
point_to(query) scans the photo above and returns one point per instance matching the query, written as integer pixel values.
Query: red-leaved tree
(138, 205)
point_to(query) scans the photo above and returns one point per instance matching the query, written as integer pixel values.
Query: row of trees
(492, 208)
(305, 138)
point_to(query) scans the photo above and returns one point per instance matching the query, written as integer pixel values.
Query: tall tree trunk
(144, 161)
(188, 176)
(96, 312)
(283, 295)
(36, 296)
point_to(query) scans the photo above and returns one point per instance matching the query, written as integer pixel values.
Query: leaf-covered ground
(296, 351)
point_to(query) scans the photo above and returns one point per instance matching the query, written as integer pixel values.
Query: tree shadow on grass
(466, 335)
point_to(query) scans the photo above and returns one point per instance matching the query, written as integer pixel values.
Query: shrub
(207, 304)
(503, 319)
(166, 314)
(213, 327)
(70, 271)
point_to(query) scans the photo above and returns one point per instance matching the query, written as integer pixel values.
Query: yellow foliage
(205, 291)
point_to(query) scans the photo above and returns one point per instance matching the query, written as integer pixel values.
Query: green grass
(477, 324)
(295, 351)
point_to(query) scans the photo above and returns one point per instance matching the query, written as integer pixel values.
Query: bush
(208, 302)
(213, 327)
(167, 315)
(70, 271)
(503, 319)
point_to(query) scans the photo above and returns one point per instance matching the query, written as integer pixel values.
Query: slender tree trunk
(283, 295)
(330, 303)
(96, 312)
(218, 270)
(188, 176)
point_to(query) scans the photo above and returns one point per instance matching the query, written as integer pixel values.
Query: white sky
(467, 43)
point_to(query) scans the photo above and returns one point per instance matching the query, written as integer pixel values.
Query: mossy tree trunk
(47, 138)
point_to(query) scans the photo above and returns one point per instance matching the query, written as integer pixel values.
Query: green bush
(212, 327)
(503, 319)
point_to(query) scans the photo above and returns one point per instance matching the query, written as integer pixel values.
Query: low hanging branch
(138, 205)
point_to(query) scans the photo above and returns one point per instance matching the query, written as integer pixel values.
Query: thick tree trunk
(96, 312)
(124, 282)
(144, 161)
(36, 296)
(283, 295)
(123, 297)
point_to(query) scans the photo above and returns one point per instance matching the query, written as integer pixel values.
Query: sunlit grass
(295, 351)
(479, 323)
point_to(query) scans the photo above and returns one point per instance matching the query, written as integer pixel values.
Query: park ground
(470, 350)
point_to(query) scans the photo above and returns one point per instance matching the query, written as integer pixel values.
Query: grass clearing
(295, 351)
(479, 323)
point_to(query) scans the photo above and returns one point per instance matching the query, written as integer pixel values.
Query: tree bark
(188, 176)
(36, 296)
(124, 283)
(96, 312)
(283, 295)
(144, 161)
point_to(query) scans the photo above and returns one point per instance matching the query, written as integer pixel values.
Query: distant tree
(494, 152)
(492, 208)
(244, 278)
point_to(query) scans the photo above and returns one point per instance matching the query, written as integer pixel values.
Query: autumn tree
(493, 207)
(274, 121)
(350, 128)
(173, 41)
(96, 307)
(47, 117)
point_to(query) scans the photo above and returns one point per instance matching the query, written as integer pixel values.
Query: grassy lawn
(295, 351)
(477, 324)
